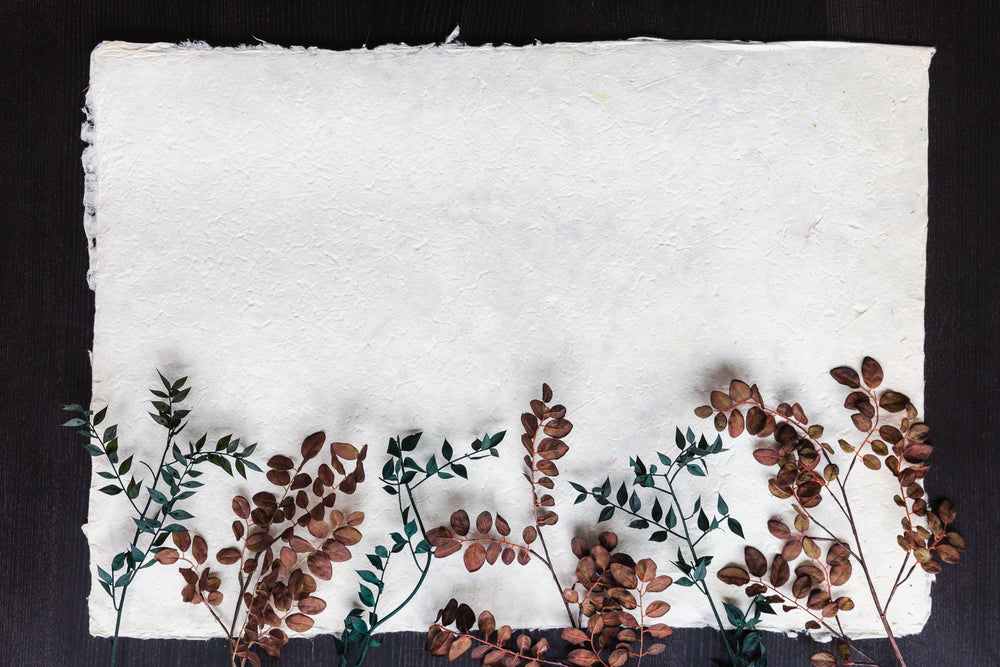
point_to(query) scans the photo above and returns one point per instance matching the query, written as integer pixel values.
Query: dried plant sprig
(286, 540)
(611, 591)
(172, 481)
(689, 526)
(401, 475)
(545, 428)
(798, 450)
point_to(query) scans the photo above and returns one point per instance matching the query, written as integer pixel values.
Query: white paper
(377, 242)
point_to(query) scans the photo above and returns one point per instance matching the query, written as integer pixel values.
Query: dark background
(47, 312)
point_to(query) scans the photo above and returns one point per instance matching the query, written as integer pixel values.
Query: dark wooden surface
(48, 311)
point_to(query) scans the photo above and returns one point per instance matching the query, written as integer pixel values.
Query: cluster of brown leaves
(812, 589)
(287, 541)
(609, 591)
(544, 429)
(901, 448)
(485, 548)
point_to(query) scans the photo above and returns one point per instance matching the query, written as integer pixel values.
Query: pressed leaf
(582, 657)
(657, 608)
(484, 522)
(474, 557)
(167, 556)
(280, 462)
(347, 451)
(767, 457)
(823, 659)
(320, 565)
(871, 372)
(558, 428)
(552, 449)
(298, 622)
(893, 401)
(946, 511)
(659, 583)
(182, 539)
(736, 423)
(861, 422)
(846, 376)
(755, 560)
(720, 400)
(778, 529)
(704, 411)
(645, 570)
(779, 571)
(460, 522)
(871, 461)
(312, 445)
(347, 535)
(575, 636)
(228, 556)
(734, 575)
(199, 549)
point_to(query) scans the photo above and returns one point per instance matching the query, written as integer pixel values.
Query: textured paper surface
(377, 242)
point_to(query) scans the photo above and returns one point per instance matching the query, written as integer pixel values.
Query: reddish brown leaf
(257, 542)
(871, 372)
(228, 556)
(558, 428)
(298, 622)
(167, 556)
(756, 563)
(659, 583)
(767, 457)
(736, 424)
(347, 535)
(336, 551)
(734, 575)
(552, 449)
(574, 636)
(312, 445)
(241, 507)
(474, 557)
(182, 540)
(484, 522)
(704, 411)
(582, 657)
(823, 659)
(320, 566)
(645, 570)
(199, 549)
(344, 450)
(846, 376)
(460, 522)
(946, 511)
(779, 571)
(657, 608)
(280, 462)
(779, 529)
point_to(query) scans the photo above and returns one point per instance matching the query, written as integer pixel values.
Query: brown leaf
(502, 526)
(736, 424)
(552, 449)
(811, 548)
(767, 457)
(280, 462)
(734, 575)
(948, 553)
(657, 608)
(558, 428)
(182, 540)
(460, 522)
(756, 420)
(720, 400)
(167, 556)
(946, 511)
(344, 450)
(846, 376)
(871, 372)
(320, 566)
(574, 636)
(241, 507)
(347, 535)
(312, 445)
(474, 557)
(298, 622)
(645, 570)
(546, 393)
(893, 401)
(582, 657)
(312, 605)
(871, 461)
(778, 529)
(228, 556)
(704, 411)
(861, 422)
(756, 563)
(484, 522)
(199, 549)
(660, 630)
(257, 542)
(624, 575)
(447, 548)
(618, 657)
(779, 571)
(458, 647)
(336, 551)
(823, 659)
(659, 583)
(840, 573)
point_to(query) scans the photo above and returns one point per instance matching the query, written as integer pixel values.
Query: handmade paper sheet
(378, 242)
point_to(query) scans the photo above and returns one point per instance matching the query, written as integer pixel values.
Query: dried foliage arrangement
(401, 476)
(172, 481)
(607, 604)
(810, 470)
(286, 539)
(689, 526)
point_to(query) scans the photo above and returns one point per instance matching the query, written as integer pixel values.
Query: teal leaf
(381, 551)
(446, 450)
(180, 515)
(157, 496)
(723, 507)
(695, 470)
(622, 496)
(369, 576)
(366, 596)
(735, 527)
(72, 423)
(111, 489)
(657, 511)
(104, 576)
(460, 470)
(606, 513)
(658, 536)
(409, 443)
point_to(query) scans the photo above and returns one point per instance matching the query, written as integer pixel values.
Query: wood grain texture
(48, 312)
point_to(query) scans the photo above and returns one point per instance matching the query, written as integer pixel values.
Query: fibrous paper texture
(378, 242)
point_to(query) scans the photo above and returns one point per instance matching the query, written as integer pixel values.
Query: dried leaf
(736, 424)
(720, 400)
(778, 529)
(167, 556)
(659, 583)
(298, 622)
(228, 556)
(312, 445)
(280, 462)
(460, 522)
(734, 575)
(181, 539)
(755, 560)
(823, 659)
(582, 657)
(871, 372)
(574, 636)
(484, 522)
(779, 571)
(846, 376)
(657, 608)
(645, 569)
(474, 557)
(199, 549)
(558, 428)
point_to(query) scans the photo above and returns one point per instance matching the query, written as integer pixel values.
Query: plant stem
(703, 587)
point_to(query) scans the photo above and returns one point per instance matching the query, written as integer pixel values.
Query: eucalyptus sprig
(172, 481)
(690, 526)
(401, 476)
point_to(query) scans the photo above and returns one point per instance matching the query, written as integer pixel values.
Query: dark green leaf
(723, 507)
(658, 536)
(695, 470)
(702, 521)
(460, 470)
(671, 517)
(446, 451)
(735, 527)
(657, 511)
(180, 515)
(409, 443)
(369, 576)
(125, 466)
(111, 489)
(606, 513)
(639, 523)
(94, 450)
(622, 496)
(104, 576)
(76, 421)
(157, 497)
(366, 596)
(734, 614)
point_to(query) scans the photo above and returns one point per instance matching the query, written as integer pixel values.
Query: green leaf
(634, 503)
(446, 451)
(366, 596)
(658, 536)
(393, 449)
(125, 466)
(375, 561)
(657, 511)
(157, 496)
(240, 468)
(107, 588)
(369, 576)
(248, 450)
(735, 527)
(165, 381)
(94, 450)
(734, 614)
(578, 487)
(460, 470)
(104, 576)
(105, 474)
(639, 523)
(137, 554)
(702, 521)
(133, 489)
(606, 513)
(684, 581)
(180, 515)
(695, 470)
(174, 528)
(181, 395)
(111, 489)
(432, 465)
(178, 456)
(251, 465)
(409, 443)
(723, 507)
(224, 464)
(671, 517)
(690, 436)
(665, 460)
(679, 440)
(99, 417)
(410, 529)
(622, 496)
(191, 484)
(72, 423)
(118, 562)
(73, 407)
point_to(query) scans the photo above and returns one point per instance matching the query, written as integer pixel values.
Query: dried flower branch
(287, 540)
(171, 483)
(602, 591)
(743, 643)
(898, 446)
(401, 475)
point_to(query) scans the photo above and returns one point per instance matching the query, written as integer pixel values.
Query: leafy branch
(172, 482)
